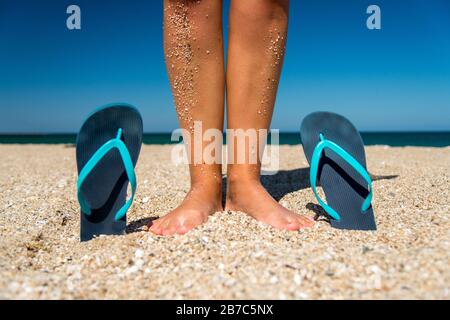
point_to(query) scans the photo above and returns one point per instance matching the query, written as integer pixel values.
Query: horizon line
(169, 132)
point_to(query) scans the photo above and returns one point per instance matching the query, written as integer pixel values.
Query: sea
(394, 139)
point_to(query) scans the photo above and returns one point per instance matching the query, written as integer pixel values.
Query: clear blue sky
(397, 78)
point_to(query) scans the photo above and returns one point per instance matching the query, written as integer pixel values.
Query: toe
(294, 225)
(182, 229)
(169, 230)
(155, 225)
(165, 232)
(287, 223)
(156, 228)
(291, 221)
(306, 222)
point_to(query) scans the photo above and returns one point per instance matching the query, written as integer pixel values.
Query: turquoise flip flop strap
(317, 154)
(118, 144)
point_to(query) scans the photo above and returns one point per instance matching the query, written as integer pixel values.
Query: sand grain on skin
(231, 256)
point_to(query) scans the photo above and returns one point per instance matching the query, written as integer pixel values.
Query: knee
(263, 10)
(202, 14)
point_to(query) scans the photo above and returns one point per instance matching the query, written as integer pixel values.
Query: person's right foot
(201, 201)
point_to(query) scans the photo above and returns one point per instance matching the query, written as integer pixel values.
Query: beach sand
(232, 256)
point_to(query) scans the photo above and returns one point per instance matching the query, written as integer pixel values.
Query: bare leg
(257, 38)
(193, 46)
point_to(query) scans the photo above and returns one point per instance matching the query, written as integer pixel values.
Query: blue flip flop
(107, 149)
(335, 152)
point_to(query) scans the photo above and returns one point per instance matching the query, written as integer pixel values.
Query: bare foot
(201, 201)
(251, 197)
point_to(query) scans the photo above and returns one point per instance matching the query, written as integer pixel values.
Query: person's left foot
(251, 198)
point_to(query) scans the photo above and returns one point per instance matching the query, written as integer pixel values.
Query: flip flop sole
(345, 190)
(105, 189)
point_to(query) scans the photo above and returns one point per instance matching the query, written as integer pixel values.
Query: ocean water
(394, 139)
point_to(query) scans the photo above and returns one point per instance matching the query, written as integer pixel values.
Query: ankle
(241, 189)
(207, 183)
(243, 174)
(211, 189)
(236, 180)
